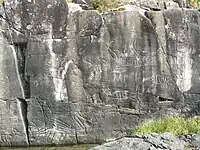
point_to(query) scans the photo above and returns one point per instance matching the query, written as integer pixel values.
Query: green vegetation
(105, 5)
(174, 125)
(194, 3)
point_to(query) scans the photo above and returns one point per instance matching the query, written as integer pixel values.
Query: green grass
(174, 125)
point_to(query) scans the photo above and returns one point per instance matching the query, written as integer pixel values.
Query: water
(75, 147)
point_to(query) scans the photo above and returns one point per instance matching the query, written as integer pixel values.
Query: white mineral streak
(184, 72)
(17, 72)
(53, 64)
(74, 7)
(65, 68)
(58, 78)
(126, 8)
(187, 71)
(22, 89)
(20, 84)
(22, 117)
(60, 82)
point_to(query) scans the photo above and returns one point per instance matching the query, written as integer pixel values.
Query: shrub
(194, 3)
(174, 125)
(105, 5)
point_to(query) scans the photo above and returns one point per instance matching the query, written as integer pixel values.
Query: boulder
(150, 141)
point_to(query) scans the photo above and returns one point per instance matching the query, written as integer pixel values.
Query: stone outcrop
(157, 5)
(85, 77)
(153, 142)
(85, 4)
(145, 4)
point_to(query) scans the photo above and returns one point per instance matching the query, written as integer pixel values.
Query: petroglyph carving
(161, 79)
(136, 47)
(119, 76)
(126, 95)
(121, 95)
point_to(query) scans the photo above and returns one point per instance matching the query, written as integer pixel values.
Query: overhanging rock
(87, 77)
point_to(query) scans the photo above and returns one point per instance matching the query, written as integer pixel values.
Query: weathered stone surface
(12, 127)
(86, 77)
(74, 7)
(151, 142)
(37, 17)
(88, 2)
(157, 5)
(85, 4)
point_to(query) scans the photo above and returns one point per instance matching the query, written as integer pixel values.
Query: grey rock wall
(154, 4)
(86, 77)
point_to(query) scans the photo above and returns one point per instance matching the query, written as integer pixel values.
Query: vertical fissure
(19, 52)
(22, 106)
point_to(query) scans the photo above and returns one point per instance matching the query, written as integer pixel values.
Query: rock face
(154, 4)
(86, 77)
(85, 4)
(152, 142)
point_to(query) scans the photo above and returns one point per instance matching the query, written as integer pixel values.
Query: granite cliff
(87, 77)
